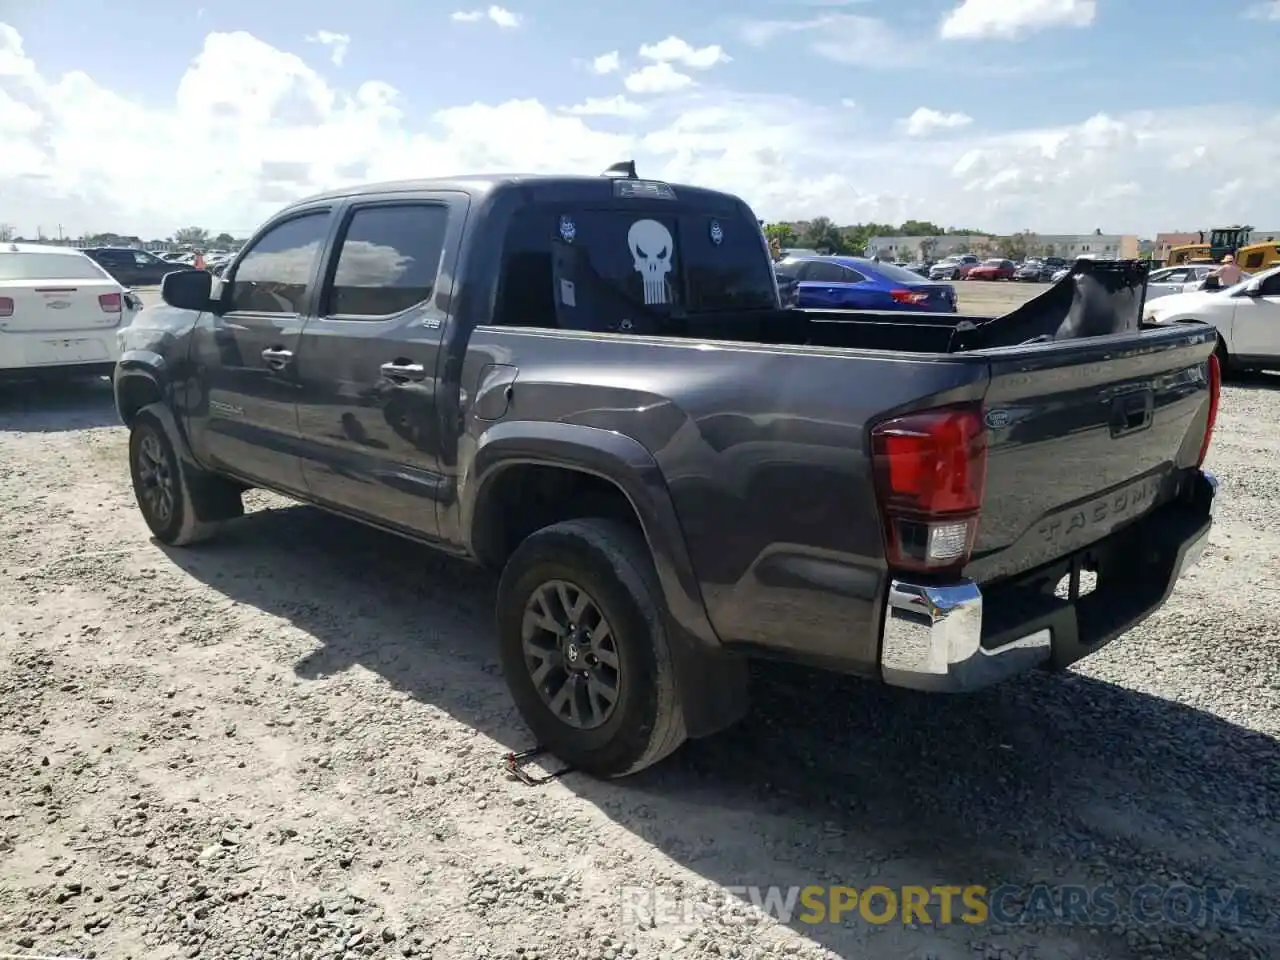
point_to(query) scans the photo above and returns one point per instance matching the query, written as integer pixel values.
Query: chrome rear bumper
(932, 635)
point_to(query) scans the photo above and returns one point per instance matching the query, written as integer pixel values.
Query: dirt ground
(287, 745)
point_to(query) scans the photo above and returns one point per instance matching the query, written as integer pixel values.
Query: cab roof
(480, 186)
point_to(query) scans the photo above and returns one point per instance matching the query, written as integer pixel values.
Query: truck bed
(1097, 299)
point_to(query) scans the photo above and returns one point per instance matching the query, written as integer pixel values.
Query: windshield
(890, 272)
(48, 266)
(630, 268)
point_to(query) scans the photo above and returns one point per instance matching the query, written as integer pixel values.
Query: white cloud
(336, 42)
(845, 38)
(675, 50)
(1011, 19)
(501, 16)
(1264, 11)
(606, 63)
(848, 103)
(925, 121)
(657, 78)
(618, 106)
(256, 127)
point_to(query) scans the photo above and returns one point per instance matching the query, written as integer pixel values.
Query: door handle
(402, 371)
(277, 358)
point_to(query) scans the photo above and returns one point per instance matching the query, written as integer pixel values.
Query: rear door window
(389, 260)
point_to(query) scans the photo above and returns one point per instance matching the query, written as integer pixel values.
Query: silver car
(1182, 279)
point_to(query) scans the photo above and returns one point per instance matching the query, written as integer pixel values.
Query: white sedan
(59, 313)
(1171, 280)
(1247, 316)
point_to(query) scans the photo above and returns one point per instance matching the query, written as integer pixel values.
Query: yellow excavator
(1222, 240)
(1259, 255)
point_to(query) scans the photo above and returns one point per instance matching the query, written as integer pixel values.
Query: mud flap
(208, 499)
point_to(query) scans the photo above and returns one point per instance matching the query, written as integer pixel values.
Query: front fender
(611, 456)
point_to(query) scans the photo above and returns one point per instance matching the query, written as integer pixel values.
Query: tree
(823, 235)
(783, 233)
(927, 247)
(7, 232)
(192, 236)
(224, 241)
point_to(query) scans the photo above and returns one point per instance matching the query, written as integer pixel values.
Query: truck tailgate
(1084, 437)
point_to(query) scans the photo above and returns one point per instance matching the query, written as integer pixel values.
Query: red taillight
(6, 307)
(930, 470)
(110, 302)
(1215, 391)
(908, 296)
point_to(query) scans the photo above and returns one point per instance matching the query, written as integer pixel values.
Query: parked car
(953, 268)
(1171, 280)
(855, 283)
(995, 269)
(587, 383)
(59, 313)
(133, 268)
(1246, 316)
(1034, 271)
(920, 268)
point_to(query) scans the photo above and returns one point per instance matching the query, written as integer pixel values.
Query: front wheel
(166, 496)
(583, 643)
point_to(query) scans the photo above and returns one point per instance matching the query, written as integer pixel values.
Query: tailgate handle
(1132, 413)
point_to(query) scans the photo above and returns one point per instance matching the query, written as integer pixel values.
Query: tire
(610, 563)
(154, 465)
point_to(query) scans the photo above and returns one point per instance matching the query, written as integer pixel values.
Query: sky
(1057, 116)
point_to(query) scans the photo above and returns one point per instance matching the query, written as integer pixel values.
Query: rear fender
(712, 682)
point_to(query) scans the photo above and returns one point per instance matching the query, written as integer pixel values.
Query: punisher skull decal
(651, 249)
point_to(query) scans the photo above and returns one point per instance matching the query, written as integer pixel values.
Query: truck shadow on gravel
(53, 407)
(1050, 779)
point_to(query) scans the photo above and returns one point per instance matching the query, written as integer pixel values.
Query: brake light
(1215, 392)
(908, 296)
(110, 302)
(930, 473)
(6, 306)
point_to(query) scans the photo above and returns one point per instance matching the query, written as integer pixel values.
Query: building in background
(911, 249)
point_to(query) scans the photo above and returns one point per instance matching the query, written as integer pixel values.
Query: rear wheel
(583, 643)
(170, 503)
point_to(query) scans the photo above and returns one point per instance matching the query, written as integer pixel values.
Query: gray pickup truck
(590, 385)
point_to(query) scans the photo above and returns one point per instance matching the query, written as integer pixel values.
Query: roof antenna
(627, 169)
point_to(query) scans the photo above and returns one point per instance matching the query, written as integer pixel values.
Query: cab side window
(273, 277)
(389, 260)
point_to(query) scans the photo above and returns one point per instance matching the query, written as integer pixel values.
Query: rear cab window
(48, 266)
(630, 266)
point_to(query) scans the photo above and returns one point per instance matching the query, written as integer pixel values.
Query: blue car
(855, 283)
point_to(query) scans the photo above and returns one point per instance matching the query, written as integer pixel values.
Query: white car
(1247, 316)
(59, 312)
(1171, 280)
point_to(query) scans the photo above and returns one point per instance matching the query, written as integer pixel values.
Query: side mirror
(188, 290)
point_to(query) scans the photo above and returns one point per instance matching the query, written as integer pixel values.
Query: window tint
(896, 274)
(389, 260)
(627, 269)
(825, 271)
(48, 266)
(853, 276)
(1271, 286)
(273, 276)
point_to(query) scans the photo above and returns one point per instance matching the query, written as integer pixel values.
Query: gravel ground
(287, 744)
